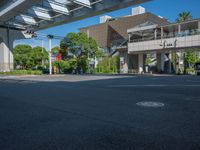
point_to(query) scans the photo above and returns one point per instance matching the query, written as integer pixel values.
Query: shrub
(65, 66)
(190, 71)
(108, 65)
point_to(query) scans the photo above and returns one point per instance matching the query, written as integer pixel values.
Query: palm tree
(184, 16)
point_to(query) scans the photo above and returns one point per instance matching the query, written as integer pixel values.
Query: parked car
(197, 68)
(45, 71)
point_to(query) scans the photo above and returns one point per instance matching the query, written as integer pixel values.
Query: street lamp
(50, 37)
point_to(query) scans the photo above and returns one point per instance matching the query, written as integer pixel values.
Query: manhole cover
(150, 104)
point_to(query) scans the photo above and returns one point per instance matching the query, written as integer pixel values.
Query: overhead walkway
(40, 14)
(167, 37)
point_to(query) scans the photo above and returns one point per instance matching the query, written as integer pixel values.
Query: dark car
(197, 68)
(45, 71)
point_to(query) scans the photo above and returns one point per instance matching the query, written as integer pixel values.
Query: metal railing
(167, 36)
(119, 43)
(167, 43)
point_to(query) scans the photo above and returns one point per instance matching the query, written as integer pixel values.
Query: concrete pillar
(2, 49)
(140, 63)
(179, 28)
(6, 56)
(158, 56)
(129, 37)
(7, 37)
(155, 34)
(124, 60)
(199, 26)
(160, 61)
(162, 32)
(170, 63)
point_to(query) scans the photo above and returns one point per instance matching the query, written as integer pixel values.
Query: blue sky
(168, 9)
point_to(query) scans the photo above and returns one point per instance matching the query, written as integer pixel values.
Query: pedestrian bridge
(16, 16)
(174, 36)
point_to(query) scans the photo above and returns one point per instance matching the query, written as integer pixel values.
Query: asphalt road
(99, 113)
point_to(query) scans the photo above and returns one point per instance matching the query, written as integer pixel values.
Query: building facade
(114, 30)
(143, 36)
(164, 41)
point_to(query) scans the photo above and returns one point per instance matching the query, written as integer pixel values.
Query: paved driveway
(100, 113)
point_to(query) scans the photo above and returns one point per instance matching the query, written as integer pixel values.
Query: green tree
(82, 47)
(26, 57)
(21, 56)
(55, 49)
(190, 58)
(184, 16)
(81, 42)
(38, 55)
(64, 66)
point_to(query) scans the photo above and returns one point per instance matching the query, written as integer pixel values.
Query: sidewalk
(16, 76)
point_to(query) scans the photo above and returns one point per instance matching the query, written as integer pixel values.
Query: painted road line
(193, 81)
(150, 104)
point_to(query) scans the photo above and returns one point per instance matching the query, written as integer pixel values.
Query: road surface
(100, 113)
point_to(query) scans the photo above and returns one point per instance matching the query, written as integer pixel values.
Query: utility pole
(50, 37)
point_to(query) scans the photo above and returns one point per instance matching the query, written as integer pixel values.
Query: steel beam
(55, 6)
(40, 12)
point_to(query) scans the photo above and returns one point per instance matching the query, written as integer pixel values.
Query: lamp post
(50, 37)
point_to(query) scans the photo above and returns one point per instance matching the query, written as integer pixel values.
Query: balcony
(169, 37)
(188, 41)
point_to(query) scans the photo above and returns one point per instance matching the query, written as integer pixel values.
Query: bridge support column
(7, 37)
(6, 55)
(160, 61)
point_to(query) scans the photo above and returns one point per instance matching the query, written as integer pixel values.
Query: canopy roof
(40, 14)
